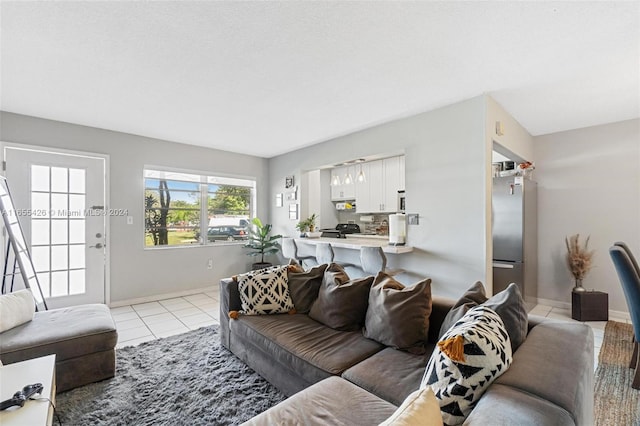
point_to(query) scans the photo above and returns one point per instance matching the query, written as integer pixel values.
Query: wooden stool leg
(634, 357)
(636, 377)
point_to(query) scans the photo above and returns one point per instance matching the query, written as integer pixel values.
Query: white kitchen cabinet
(380, 191)
(343, 190)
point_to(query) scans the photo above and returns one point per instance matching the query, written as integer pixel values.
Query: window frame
(204, 180)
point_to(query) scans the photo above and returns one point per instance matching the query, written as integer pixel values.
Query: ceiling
(265, 78)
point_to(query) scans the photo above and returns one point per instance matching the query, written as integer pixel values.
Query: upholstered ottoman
(82, 337)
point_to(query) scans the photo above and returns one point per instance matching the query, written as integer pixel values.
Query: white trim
(567, 305)
(107, 194)
(159, 297)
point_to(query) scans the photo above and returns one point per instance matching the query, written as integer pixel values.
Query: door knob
(98, 246)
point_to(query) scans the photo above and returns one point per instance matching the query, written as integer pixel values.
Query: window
(183, 209)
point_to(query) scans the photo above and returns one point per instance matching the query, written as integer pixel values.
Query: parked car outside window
(226, 233)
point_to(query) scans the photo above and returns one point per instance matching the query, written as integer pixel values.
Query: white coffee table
(13, 377)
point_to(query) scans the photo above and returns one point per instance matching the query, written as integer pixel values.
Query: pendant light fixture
(335, 181)
(348, 179)
(361, 177)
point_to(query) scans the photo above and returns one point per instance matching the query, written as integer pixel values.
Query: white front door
(60, 201)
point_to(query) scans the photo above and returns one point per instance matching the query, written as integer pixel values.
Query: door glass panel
(40, 178)
(39, 232)
(59, 205)
(59, 179)
(59, 284)
(40, 204)
(76, 256)
(76, 205)
(58, 229)
(40, 258)
(77, 181)
(59, 258)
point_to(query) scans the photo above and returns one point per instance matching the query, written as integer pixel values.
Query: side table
(13, 377)
(590, 306)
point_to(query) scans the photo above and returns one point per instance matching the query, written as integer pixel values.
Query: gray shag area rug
(188, 379)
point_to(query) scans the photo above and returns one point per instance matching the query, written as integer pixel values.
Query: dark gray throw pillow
(341, 303)
(398, 316)
(508, 304)
(304, 287)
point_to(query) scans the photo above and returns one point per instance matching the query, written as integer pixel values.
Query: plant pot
(260, 265)
(314, 234)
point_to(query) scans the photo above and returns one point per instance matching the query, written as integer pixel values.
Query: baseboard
(566, 305)
(159, 297)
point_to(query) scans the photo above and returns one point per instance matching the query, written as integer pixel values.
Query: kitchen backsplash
(372, 223)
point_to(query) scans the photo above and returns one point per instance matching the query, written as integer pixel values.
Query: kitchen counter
(355, 243)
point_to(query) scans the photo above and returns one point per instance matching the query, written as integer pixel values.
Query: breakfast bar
(355, 243)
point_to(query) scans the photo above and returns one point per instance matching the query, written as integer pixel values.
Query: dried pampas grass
(579, 258)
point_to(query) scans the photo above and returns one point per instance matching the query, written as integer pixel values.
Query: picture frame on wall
(288, 181)
(292, 196)
(293, 211)
(279, 200)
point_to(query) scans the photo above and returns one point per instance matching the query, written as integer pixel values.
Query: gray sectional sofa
(340, 377)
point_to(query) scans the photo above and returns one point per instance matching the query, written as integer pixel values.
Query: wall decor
(279, 200)
(288, 181)
(292, 196)
(293, 211)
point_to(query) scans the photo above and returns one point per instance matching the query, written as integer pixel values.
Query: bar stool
(290, 251)
(373, 260)
(324, 253)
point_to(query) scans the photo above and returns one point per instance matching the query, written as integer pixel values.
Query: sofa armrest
(229, 301)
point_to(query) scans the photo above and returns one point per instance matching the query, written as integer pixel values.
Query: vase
(578, 288)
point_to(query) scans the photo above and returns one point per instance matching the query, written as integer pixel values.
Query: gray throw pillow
(304, 287)
(508, 304)
(341, 303)
(398, 316)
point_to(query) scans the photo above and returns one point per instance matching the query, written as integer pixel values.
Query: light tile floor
(167, 317)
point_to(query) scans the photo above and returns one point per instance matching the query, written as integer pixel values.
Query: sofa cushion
(509, 304)
(390, 374)
(265, 292)
(67, 332)
(505, 406)
(555, 363)
(304, 287)
(298, 341)
(419, 408)
(398, 316)
(333, 401)
(16, 308)
(341, 303)
(468, 358)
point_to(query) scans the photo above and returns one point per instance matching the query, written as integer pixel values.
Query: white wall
(446, 169)
(135, 272)
(588, 183)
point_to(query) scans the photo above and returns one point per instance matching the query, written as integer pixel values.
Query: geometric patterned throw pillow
(265, 292)
(468, 358)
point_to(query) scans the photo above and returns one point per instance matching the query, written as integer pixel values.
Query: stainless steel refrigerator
(515, 229)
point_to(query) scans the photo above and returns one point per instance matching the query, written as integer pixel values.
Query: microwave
(401, 206)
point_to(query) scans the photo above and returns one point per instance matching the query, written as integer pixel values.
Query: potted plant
(260, 242)
(302, 226)
(579, 259)
(311, 222)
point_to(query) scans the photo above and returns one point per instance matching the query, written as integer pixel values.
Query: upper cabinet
(379, 193)
(341, 188)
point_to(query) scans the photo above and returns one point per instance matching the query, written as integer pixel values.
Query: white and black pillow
(265, 292)
(468, 358)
